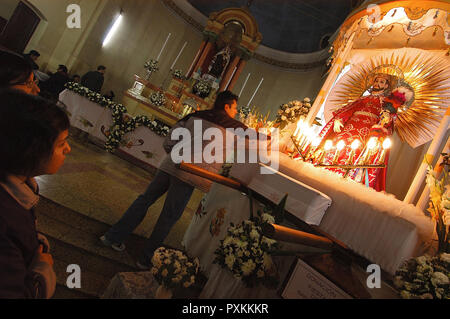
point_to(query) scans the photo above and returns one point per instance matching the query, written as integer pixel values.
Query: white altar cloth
(374, 225)
(142, 143)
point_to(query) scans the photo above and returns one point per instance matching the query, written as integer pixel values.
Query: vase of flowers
(151, 67)
(172, 269)
(292, 112)
(178, 74)
(158, 98)
(439, 205)
(247, 253)
(202, 88)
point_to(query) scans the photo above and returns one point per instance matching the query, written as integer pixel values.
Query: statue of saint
(220, 62)
(368, 116)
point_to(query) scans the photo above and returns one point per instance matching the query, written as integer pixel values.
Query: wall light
(113, 29)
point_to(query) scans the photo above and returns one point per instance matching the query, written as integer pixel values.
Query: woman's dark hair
(29, 127)
(225, 97)
(14, 69)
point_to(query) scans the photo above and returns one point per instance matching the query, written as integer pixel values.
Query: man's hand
(44, 257)
(338, 125)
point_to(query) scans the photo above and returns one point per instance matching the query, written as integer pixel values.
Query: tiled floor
(102, 186)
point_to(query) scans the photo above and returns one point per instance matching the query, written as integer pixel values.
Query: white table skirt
(375, 225)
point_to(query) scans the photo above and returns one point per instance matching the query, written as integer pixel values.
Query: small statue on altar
(220, 62)
(372, 115)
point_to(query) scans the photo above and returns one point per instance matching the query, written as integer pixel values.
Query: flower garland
(292, 112)
(158, 98)
(178, 74)
(424, 277)
(151, 66)
(202, 88)
(172, 268)
(246, 252)
(122, 123)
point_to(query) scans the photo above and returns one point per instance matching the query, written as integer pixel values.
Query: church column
(229, 73)
(202, 59)
(194, 62)
(431, 153)
(323, 93)
(236, 76)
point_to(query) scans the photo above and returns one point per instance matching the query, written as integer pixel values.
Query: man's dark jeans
(178, 195)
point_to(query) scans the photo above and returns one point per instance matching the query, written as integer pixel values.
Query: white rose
(254, 234)
(283, 118)
(445, 257)
(439, 278)
(422, 260)
(307, 99)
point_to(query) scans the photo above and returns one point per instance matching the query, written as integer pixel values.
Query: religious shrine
(230, 38)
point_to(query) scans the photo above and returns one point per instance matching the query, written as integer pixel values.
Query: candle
(245, 83)
(339, 147)
(371, 144)
(163, 47)
(299, 125)
(386, 145)
(327, 147)
(179, 53)
(354, 147)
(249, 102)
(314, 144)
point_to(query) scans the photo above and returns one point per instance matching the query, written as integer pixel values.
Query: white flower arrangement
(202, 88)
(158, 98)
(121, 123)
(151, 66)
(172, 268)
(292, 112)
(424, 277)
(246, 252)
(178, 74)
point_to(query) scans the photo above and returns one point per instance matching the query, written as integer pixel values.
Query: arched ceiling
(294, 26)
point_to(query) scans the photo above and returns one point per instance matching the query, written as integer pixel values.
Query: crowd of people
(34, 141)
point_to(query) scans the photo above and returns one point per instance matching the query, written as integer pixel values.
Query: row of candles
(308, 143)
(164, 46)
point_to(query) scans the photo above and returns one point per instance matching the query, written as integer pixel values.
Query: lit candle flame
(316, 142)
(372, 143)
(328, 145)
(355, 144)
(340, 145)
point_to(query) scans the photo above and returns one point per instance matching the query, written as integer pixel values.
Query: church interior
(358, 91)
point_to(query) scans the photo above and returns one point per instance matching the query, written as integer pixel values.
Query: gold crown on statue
(390, 72)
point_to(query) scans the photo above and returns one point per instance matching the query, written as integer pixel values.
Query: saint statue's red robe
(358, 118)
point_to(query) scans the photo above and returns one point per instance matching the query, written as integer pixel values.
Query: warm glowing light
(355, 144)
(387, 143)
(328, 145)
(340, 145)
(372, 143)
(113, 30)
(316, 142)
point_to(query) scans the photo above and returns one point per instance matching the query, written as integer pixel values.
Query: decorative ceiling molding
(276, 58)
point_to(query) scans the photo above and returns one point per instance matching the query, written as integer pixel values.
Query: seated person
(33, 142)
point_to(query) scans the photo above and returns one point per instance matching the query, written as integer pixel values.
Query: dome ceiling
(294, 26)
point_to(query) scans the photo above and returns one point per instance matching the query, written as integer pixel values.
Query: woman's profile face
(29, 87)
(60, 149)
